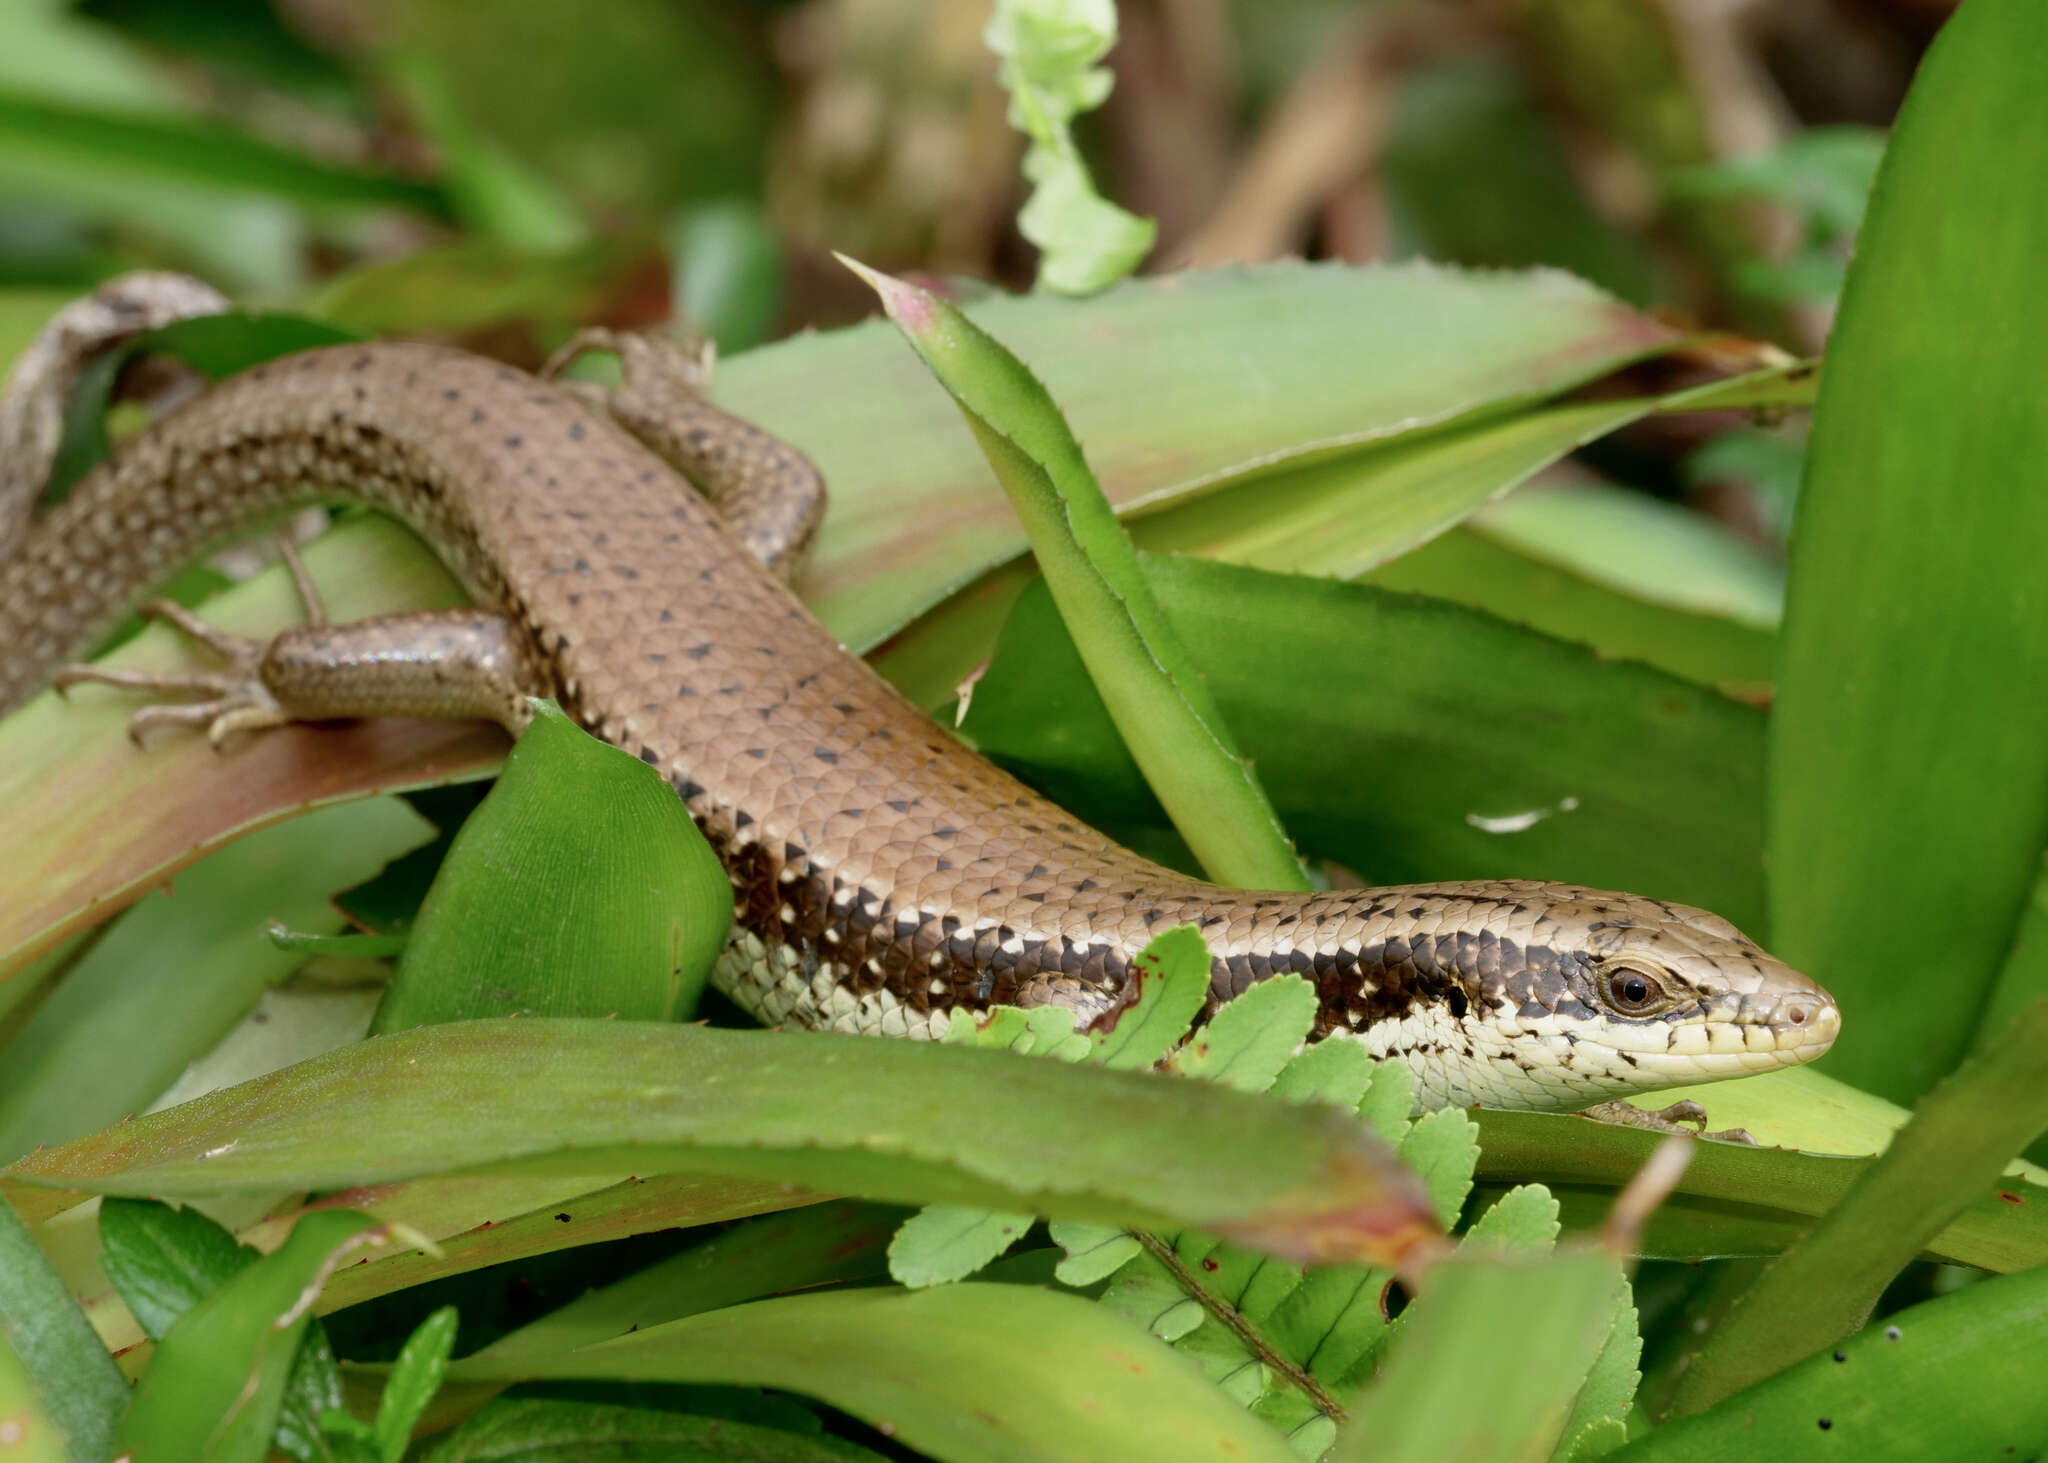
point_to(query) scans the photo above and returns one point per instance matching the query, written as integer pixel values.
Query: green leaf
(52, 1357)
(491, 189)
(1049, 49)
(1171, 977)
(942, 1243)
(1955, 1149)
(1651, 551)
(1442, 1149)
(1250, 1039)
(1909, 742)
(1336, 1072)
(890, 1120)
(728, 272)
(1954, 1377)
(1028, 1373)
(1041, 1031)
(164, 1261)
(1531, 1328)
(415, 1378)
(1525, 1218)
(560, 1430)
(838, 1241)
(1094, 1252)
(1468, 565)
(579, 887)
(216, 1384)
(117, 1033)
(69, 148)
(1734, 1190)
(1153, 689)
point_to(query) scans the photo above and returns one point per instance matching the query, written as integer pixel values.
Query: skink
(884, 875)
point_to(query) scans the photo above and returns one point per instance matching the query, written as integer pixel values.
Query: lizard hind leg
(770, 495)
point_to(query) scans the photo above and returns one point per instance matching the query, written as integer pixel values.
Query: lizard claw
(1684, 1117)
(237, 699)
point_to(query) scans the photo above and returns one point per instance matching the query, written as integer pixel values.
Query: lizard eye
(1632, 991)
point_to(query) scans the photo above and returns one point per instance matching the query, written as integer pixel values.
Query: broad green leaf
(219, 346)
(58, 1363)
(217, 1381)
(1152, 688)
(579, 887)
(1049, 51)
(878, 1119)
(179, 971)
(1909, 744)
(562, 1430)
(838, 1241)
(1956, 1147)
(1493, 752)
(1954, 1377)
(1531, 1328)
(960, 1372)
(1651, 551)
(1469, 565)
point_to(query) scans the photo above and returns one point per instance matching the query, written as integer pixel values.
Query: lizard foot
(1687, 1118)
(237, 699)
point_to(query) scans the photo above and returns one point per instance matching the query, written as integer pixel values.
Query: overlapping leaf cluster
(1289, 1342)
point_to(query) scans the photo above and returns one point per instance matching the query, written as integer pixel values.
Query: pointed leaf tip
(914, 310)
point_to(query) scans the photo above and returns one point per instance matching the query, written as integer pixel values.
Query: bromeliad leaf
(887, 1120)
